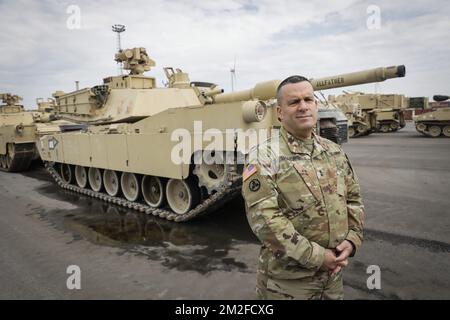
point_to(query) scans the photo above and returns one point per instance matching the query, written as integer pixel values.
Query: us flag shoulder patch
(248, 172)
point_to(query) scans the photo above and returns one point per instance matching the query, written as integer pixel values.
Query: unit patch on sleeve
(254, 185)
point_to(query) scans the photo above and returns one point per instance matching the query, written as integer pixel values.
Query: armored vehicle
(361, 121)
(17, 134)
(175, 152)
(390, 112)
(379, 112)
(436, 122)
(20, 129)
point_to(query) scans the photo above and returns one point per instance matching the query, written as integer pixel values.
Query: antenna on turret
(233, 75)
(119, 28)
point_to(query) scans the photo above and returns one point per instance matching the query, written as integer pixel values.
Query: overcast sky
(44, 49)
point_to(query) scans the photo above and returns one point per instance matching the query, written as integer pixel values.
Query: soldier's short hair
(288, 80)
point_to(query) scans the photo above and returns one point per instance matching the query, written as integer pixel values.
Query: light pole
(119, 28)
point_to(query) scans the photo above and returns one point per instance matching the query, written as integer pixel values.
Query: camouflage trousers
(321, 286)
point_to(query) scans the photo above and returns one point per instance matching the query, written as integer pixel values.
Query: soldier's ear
(279, 113)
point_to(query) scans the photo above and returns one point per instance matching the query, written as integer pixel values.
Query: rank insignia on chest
(248, 172)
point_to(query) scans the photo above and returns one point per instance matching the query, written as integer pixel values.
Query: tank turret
(125, 98)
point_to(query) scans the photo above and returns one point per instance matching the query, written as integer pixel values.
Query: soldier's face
(298, 110)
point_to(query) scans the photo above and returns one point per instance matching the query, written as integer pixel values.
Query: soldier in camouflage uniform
(303, 203)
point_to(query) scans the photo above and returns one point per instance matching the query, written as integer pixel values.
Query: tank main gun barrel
(361, 77)
(261, 91)
(440, 98)
(267, 90)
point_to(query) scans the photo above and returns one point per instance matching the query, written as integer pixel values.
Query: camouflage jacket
(300, 202)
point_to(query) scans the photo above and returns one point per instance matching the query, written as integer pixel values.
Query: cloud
(270, 40)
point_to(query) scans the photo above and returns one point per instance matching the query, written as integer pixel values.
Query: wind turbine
(233, 75)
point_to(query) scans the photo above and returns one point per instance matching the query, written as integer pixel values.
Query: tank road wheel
(81, 176)
(421, 127)
(111, 181)
(434, 131)
(182, 195)
(351, 132)
(153, 191)
(384, 128)
(361, 129)
(65, 171)
(95, 179)
(446, 131)
(130, 186)
(394, 126)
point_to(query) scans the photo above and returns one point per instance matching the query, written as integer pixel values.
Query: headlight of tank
(254, 111)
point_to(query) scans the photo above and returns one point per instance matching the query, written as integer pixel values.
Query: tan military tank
(176, 152)
(17, 134)
(20, 129)
(436, 122)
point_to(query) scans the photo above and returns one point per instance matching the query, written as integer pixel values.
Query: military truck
(176, 152)
(434, 123)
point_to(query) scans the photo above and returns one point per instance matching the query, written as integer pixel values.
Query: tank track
(359, 134)
(206, 206)
(440, 124)
(23, 155)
